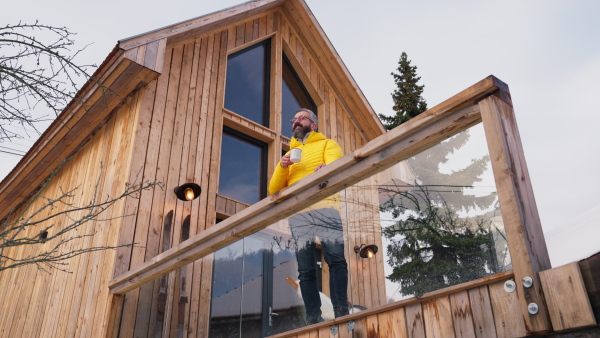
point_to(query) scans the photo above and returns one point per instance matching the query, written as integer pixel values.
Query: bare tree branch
(49, 245)
(37, 71)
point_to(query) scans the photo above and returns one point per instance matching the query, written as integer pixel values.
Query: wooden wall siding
(116, 78)
(35, 303)
(184, 137)
(178, 140)
(334, 118)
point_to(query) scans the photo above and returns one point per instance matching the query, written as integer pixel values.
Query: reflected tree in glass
(433, 247)
(442, 233)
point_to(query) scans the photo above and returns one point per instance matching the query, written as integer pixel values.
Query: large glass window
(247, 86)
(243, 162)
(293, 97)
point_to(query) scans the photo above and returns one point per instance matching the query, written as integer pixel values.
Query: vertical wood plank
(215, 106)
(240, 34)
(330, 101)
(568, 302)
(145, 321)
(272, 22)
(262, 25)
(507, 312)
(73, 290)
(113, 316)
(372, 327)
(110, 228)
(343, 331)
(340, 125)
(462, 314)
(59, 280)
(255, 29)
(178, 169)
(96, 296)
(198, 318)
(515, 193)
(360, 328)
(196, 227)
(483, 317)
(392, 323)
(137, 303)
(438, 318)
(248, 30)
(414, 321)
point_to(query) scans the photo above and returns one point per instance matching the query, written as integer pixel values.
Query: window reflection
(247, 84)
(250, 294)
(226, 291)
(293, 97)
(242, 168)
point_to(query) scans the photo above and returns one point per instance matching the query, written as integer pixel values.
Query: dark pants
(327, 225)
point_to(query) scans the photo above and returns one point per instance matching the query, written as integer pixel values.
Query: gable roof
(137, 61)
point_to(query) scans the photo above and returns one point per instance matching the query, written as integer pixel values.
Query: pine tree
(408, 102)
(442, 234)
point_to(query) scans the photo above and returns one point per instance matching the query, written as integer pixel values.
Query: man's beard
(300, 133)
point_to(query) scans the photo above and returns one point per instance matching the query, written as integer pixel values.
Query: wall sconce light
(366, 251)
(188, 191)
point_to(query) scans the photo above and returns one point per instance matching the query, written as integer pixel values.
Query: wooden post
(521, 220)
(113, 315)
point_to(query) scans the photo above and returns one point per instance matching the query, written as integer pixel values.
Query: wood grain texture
(568, 302)
(507, 312)
(437, 316)
(415, 326)
(483, 316)
(462, 315)
(519, 211)
(590, 271)
(392, 323)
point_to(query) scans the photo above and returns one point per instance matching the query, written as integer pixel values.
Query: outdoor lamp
(188, 191)
(366, 251)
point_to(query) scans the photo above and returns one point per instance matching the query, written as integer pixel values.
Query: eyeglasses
(301, 118)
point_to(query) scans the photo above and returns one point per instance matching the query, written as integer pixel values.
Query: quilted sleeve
(333, 151)
(279, 179)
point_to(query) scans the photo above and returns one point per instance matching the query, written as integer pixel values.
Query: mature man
(321, 220)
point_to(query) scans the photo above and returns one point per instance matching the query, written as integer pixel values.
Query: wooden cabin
(208, 101)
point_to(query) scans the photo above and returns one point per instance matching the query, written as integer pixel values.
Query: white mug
(295, 155)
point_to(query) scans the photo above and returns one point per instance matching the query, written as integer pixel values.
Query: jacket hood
(314, 136)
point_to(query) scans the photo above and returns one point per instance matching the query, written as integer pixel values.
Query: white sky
(547, 51)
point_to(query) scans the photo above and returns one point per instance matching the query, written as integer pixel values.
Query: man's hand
(285, 161)
(320, 166)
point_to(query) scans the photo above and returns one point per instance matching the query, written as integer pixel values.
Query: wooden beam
(519, 212)
(248, 127)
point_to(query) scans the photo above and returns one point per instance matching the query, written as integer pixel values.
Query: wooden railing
(488, 101)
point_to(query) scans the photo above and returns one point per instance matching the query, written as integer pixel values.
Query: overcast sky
(548, 52)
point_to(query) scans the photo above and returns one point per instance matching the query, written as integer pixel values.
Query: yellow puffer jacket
(317, 149)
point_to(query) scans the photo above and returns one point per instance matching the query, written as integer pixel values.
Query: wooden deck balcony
(558, 300)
